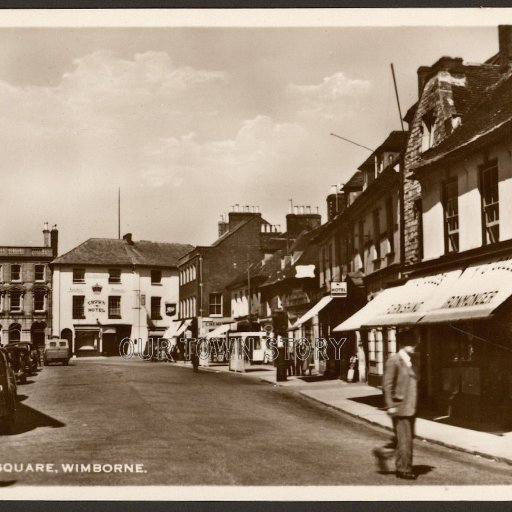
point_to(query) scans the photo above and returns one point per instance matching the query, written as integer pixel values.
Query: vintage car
(21, 360)
(34, 354)
(8, 394)
(18, 358)
(56, 350)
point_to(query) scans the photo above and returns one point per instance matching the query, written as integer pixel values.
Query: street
(184, 428)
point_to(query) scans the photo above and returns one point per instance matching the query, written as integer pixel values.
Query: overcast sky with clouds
(189, 121)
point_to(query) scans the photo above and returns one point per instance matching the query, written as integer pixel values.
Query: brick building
(205, 271)
(25, 294)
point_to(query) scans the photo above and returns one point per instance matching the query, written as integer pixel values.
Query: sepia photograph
(256, 255)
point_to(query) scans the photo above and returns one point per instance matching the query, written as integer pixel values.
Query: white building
(106, 290)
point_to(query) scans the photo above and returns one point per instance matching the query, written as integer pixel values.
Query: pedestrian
(194, 356)
(400, 386)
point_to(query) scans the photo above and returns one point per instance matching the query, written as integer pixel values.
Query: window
(155, 308)
(114, 275)
(156, 277)
(39, 300)
(15, 272)
(39, 273)
(78, 275)
(428, 130)
(114, 307)
(490, 203)
(376, 233)
(451, 216)
(16, 302)
(361, 244)
(78, 306)
(215, 304)
(390, 225)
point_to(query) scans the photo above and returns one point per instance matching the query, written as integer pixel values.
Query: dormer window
(428, 129)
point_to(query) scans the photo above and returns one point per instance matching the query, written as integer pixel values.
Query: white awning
(172, 329)
(476, 294)
(218, 331)
(417, 297)
(184, 326)
(312, 312)
(378, 305)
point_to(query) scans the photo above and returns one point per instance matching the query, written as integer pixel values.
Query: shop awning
(312, 312)
(172, 329)
(218, 331)
(477, 293)
(186, 324)
(419, 295)
(378, 305)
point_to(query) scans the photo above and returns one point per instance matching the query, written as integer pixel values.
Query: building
(25, 293)
(105, 290)
(458, 239)
(205, 271)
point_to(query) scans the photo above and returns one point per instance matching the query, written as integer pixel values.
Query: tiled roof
(355, 182)
(113, 251)
(395, 141)
(492, 110)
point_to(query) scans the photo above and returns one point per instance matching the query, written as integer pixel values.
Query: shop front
(468, 352)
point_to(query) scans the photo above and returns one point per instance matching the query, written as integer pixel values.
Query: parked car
(34, 354)
(17, 357)
(8, 394)
(25, 356)
(56, 350)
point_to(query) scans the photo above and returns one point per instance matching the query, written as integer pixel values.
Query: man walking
(400, 386)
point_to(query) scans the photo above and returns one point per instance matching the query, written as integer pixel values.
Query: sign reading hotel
(96, 306)
(338, 288)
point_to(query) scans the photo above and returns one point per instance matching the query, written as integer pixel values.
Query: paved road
(201, 429)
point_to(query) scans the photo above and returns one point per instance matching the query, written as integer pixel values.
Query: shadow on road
(422, 469)
(28, 419)
(7, 483)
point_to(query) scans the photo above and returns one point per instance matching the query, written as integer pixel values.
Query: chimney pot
(128, 238)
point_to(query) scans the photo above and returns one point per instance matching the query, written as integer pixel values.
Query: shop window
(114, 276)
(78, 275)
(16, 273)
(78, 307)
(16, 306)
(156, 277)
(156, 308)
(490, 203)
(451, 216)
(114, 306)
(39, 301)
(215, 304)
(39, 273)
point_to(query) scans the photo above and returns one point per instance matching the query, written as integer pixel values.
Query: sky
(190, 121)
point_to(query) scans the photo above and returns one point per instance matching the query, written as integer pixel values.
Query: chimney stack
(54, 236)
(128, 238)
(46, 235)
(505, 47)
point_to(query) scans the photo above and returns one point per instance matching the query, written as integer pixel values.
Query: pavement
(344, 396)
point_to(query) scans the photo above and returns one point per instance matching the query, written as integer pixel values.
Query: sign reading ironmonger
(472, 299)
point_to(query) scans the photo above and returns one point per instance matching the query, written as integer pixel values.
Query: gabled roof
(119, 252)
(355, 182)
(492, 112)
(395, 141)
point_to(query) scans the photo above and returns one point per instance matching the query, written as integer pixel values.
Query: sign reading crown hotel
(338, 288)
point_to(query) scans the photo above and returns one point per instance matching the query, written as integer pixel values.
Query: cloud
(329, 98)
